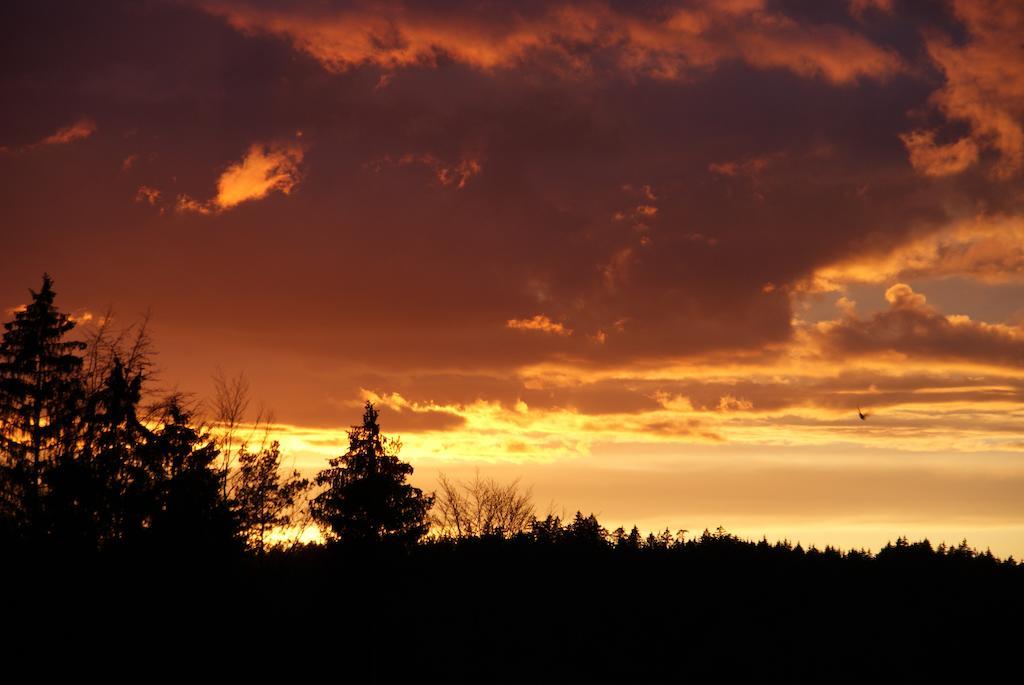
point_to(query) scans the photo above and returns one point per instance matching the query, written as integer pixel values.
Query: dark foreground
(511, 612)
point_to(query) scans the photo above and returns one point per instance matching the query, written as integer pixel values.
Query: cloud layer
(983, 88)
(574, 39)
(544, 233)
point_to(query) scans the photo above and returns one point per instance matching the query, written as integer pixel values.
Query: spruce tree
(39, 392)
(366, 498)
(187, 506)
(264, 500)
(109, 481)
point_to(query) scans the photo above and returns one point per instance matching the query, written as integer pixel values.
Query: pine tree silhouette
(189, 511)
(366, 499)
(264, 497)
(39, 388)
(99, 495)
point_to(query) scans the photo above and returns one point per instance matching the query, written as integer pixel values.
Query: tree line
(466, 583)
(87, 464)
(91, 461)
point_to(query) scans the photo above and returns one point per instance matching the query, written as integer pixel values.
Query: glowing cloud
(984, 88)
(988, 248)
(267, 167)
(902, 296)
(931, 159)
(913, 328)
(83, 128)
(541, 323)
(147, 195)
(186, 203)
(670, 45)
(79, 130)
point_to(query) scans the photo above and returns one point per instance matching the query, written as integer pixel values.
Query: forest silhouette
(129, 521)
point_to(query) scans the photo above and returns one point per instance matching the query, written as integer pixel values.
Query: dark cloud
(910, 326)
(594, 243)
(454, 195)
(423, 421)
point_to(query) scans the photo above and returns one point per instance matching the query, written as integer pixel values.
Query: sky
(649, 258)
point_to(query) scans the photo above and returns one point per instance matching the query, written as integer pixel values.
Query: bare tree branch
(481, 507)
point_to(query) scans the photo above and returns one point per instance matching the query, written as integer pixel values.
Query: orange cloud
(457, 174)
(751, 167)
(914, 328)
(830, 52)
(984, 88)
(902, 296)
(186, 203)
(267, 167)
(83, 128)
(939, 160)
(730, 403)
(81, 318)
(541, 323)
(147, 195)
(671, 45)
(914, 408)
(987, 248)
(414, 416)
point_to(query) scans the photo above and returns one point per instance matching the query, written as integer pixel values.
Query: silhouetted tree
(39, 390)
(481, 507)
(627, 541)
(106, 346)
(102, 493)
(263, 499)
(366, 498)
(189, 509)
(547, 530)
(585, 531)
(230, 404)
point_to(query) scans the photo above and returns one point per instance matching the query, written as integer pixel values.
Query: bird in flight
(862, 415)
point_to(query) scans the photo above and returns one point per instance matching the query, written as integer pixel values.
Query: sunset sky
(648, 257)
